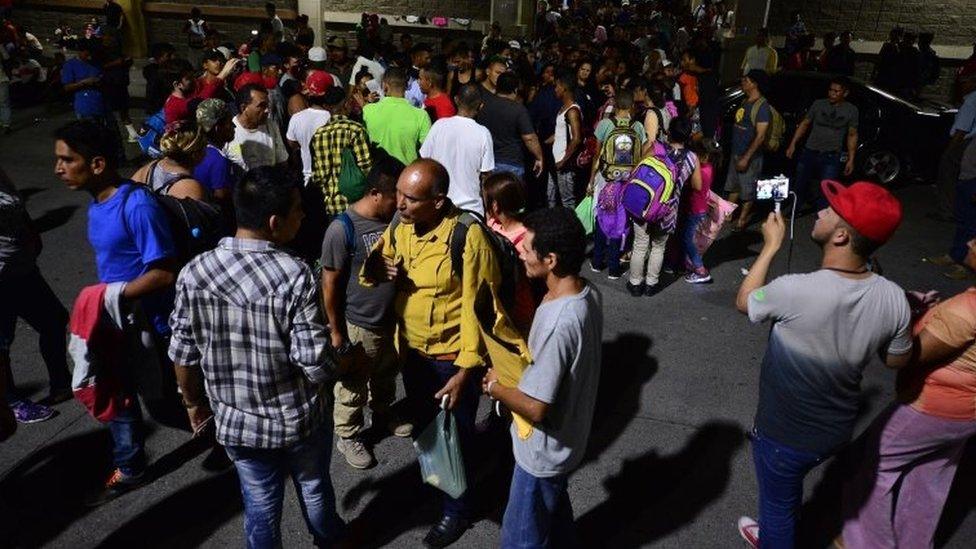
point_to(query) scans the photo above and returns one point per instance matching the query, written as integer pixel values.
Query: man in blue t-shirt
(131, 238)
(83, 79)
(752, 119)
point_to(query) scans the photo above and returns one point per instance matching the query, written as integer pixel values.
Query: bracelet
(490, 383)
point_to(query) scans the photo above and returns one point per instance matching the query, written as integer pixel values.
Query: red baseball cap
(317, 83)
(870, 209)
(246, 78)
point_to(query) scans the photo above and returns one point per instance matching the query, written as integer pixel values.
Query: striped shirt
(247, 315)
(326, 148)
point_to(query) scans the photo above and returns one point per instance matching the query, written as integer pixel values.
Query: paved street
(669, 464)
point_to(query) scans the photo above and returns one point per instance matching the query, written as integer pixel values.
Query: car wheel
(882, 166)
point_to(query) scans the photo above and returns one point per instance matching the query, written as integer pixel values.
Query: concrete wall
(469, 9)
(952, 21)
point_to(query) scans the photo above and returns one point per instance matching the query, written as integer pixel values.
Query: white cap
(515, 45)
(317, 54)
(226, 51)
(665, 63)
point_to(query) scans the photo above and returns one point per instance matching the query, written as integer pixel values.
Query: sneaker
(26, 411)
(651, 290)
(749, 530)
(356, 453)
(614, 274)
(698, 278)
(596, 268)
(400, 428)
(117, 484)
(635, 290)
(133, 134)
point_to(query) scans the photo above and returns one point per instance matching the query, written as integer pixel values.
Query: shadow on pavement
(733, 247)
(45, 493)
(653, 495)
(52, 219)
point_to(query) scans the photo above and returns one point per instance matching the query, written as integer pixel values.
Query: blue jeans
(780, 471)
(965, 213)
(606, 251)
(688, 238)
(518, 169)
(538, 513)
(262, 476)
(811, 168)
(127, 439)
(422, 378)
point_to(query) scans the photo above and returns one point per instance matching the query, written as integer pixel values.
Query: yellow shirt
(436, 311)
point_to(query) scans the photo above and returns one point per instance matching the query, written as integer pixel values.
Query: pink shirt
(698, 200)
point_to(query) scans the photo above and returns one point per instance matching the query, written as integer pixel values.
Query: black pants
(29, 297)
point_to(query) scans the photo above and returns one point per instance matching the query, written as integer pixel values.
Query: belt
(450, 357)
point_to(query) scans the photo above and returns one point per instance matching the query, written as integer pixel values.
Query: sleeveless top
(562, 138)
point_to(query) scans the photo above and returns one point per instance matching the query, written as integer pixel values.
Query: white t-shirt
(756, 58)
(464, 147)
(261, 146)
(374, 68)
(301, 128)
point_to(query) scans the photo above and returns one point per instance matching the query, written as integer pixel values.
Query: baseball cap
(317, 54)
(515, 45)
(336, 42)
(226, 51)
(214, 55)
(248, 78)
(317, 83)
(211, 111)
(870, 209)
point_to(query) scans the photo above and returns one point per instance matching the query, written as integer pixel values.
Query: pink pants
(921, 452)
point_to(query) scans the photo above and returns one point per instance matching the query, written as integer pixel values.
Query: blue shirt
(125, 248)
(215, 171)
(88, 101)
(966, 117)
(744, 130)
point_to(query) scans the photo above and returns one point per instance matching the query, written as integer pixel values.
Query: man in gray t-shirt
(360, 324)
(832, 124)
(828, 326)
(557, 392)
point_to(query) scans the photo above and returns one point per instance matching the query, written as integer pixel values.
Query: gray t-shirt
(365, 307)
(507, 121)
(565, 341)
(830, 124)
(16, 253)
(827, 329)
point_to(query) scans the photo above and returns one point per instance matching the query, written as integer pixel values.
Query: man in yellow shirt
(447, 323)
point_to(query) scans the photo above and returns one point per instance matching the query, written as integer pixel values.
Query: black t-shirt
(507, 121)
(113, 15)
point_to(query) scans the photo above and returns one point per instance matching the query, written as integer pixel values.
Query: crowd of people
(316, 221)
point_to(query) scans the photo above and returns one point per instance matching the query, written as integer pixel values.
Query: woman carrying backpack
(183, 149)
(650, 239)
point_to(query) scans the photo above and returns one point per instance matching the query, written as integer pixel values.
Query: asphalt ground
(668, 465)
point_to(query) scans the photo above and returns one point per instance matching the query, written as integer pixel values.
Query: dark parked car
(896, 138)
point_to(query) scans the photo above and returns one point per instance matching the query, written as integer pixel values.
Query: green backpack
(352, 180)
(621, 151)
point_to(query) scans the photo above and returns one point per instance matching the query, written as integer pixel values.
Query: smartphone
(776, 188)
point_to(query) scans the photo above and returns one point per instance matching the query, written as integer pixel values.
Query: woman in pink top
(504, 197)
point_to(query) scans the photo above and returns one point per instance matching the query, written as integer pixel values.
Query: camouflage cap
(211, 111)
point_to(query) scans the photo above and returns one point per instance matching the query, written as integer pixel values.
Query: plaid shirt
(247, 314)
(326, 148)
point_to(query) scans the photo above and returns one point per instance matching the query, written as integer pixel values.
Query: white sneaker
(749, 530)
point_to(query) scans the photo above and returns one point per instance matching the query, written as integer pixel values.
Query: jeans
(648, 254)
(688, 238)
(562, 188)
(29, 297)
(368, 376)
(965, 214)
(606, 249)
(517, 169)
(815, 165)
(127, 437)
(262, 475)
(948, 174)
(422, 378)
(5, 104)
(896, 498)
(780, 471)
(538, 514)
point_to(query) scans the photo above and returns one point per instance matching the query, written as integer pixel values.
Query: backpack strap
(350, 232)
(459, 237)
(755, 110)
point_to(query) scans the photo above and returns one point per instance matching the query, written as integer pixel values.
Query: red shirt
(208, 90)
(176, 108)
(439, 107)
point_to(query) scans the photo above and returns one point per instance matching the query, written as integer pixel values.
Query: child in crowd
(695, 208)
(504, 196)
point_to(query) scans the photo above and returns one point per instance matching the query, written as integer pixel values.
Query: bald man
(443, 339)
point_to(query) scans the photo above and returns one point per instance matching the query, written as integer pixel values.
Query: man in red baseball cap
(828, 325)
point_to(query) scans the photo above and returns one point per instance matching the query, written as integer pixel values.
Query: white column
(313, 9)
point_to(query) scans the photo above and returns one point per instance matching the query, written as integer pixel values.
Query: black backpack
(509, 264)
(196, 226)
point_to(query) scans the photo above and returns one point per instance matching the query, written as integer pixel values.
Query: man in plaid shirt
(247, 315)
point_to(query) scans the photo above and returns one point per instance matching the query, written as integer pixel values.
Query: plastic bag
(584, 211)
(439, 453)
